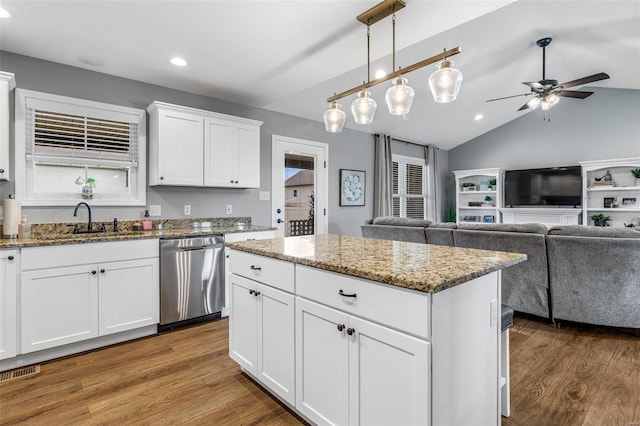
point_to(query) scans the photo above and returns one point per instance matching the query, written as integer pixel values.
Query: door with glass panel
(299, 187)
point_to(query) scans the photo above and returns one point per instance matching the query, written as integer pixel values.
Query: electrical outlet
(494, 312)
(264, 196)
(229, 209)
(155, 210)
(187, 210)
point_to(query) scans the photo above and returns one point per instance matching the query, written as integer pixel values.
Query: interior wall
(349, 149)
(604, 126)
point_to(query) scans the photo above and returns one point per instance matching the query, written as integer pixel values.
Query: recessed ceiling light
(91, 61)
(380, 74)
(4, 13)
(179, 62)
(478, 117)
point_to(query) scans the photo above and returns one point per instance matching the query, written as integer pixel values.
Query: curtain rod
(413, 143)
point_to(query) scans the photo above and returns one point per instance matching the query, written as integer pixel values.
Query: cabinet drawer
(273, 272)
(396, 307)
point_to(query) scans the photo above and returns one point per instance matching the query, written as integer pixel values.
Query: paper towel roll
(11, 213)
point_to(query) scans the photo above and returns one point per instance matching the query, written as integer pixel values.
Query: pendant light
(445, 82)
(334, 118)
(364, 107)
(399, 97)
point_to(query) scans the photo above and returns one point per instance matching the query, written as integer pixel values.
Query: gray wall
(349, 149)
(604, 126)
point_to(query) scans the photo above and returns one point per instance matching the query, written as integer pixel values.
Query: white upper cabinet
(191, 147)
(7, 83)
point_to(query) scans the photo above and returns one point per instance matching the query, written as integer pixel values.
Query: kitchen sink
(87, 236)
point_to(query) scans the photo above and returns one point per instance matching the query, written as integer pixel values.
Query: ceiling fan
(546, 92)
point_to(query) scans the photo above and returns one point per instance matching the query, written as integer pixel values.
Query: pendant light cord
(393, 26)
(368, 55)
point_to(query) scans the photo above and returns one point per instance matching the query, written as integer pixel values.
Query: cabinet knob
(256, 293)
(350, 331)
(231, 181)
(251, 291)
(161, 177)
(236, 182)
(1, 170)
(94, 272)
(10, 257)
(340, 327)
(102, 271)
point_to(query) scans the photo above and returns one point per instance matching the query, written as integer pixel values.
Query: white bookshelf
(624, 191)
(467, 196)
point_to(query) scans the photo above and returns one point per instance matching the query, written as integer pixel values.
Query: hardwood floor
(568, 376)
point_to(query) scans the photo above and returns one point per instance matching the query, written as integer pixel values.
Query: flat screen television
(555, 186)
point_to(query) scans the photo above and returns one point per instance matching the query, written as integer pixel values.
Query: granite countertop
(57, 238)
(422, 267)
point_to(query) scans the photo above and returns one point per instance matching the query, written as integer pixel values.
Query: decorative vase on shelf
(607, 176)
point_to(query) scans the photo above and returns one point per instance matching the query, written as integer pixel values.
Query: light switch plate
(229, 209)
(265, 196)
(187, 209)
(155, 210)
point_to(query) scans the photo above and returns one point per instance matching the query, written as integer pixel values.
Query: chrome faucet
(75, 214)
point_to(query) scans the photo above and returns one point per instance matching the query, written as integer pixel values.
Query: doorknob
(279, 211)
(279, 221)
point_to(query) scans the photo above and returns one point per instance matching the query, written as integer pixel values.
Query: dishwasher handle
(192, 248)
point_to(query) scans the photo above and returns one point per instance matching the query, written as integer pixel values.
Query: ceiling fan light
(334, 118)
(364, 108)
(534, 102)
(553, 100)
(399, 97)
(445, 82)
(544, 105)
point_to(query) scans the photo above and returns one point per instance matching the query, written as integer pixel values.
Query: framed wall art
(352, 187)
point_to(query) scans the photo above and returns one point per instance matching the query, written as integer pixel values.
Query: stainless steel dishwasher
(191, 280)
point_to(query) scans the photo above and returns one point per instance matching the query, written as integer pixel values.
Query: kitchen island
(350, 330)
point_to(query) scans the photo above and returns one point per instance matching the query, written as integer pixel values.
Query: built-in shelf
(613, 188)
(481, 178)
(478, 207)
(614, 210)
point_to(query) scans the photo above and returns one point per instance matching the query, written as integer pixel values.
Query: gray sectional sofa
(575, 273)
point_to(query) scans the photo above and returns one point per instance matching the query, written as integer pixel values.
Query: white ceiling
(289, 56)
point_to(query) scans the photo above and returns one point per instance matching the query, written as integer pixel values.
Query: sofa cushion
(440, 233)
(594, 231)
(412, 234)
(446, 225)
(400, 221)
(527, 228)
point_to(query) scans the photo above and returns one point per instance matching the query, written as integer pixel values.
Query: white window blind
(76, 140)
(409, 187)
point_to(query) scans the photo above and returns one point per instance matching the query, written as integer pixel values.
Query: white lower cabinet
(353, 371)
(68, 296)
(8, 325)
(261, 334)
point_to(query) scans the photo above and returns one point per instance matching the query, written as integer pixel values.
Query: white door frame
(319, 150)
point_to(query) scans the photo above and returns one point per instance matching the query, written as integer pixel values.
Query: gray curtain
(383, 177)
(433, 172)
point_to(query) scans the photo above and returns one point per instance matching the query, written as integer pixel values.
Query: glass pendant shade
(544, 105)
(364, 108)
(534, 102)
(553, 100)
(334, 118)
(445, 82)
(399, 97)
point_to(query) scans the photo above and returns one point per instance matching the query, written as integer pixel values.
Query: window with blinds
(409, 187)
(64, 143)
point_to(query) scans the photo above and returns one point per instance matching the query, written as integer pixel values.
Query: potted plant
(468, 186)
(636, 174)
(488, 200)
(492, 184)
(600, 219)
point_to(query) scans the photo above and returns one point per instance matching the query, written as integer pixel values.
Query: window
(63, 144)
(409, 187)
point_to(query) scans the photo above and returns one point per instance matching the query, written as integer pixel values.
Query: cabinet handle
(94, 272)
(102, 271)
(350, 331)
(340, 327)
(251, 291)
(342, 293)
(10, 257)
(255, 268)
(256, 293)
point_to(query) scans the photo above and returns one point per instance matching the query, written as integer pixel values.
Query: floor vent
(19, 373)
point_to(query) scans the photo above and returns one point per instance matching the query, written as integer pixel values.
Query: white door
(276, 349)
(128, 295)
(322, 363)
(389, 376)
(243, 330)
(59, 306)
(299, 186)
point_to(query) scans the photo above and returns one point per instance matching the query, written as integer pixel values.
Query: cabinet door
(388, 376)
(248, 156)
(276, 350)
(59, 306)
(322, 364)
(8, 325)
(243, 329)
(220, 162)
(180, 140)
(128, 295)
(7, 83)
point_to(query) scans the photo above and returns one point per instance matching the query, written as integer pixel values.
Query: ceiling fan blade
(584, 80)
(574, 94)
(534, 85)
(507, 97)
(523, 107)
